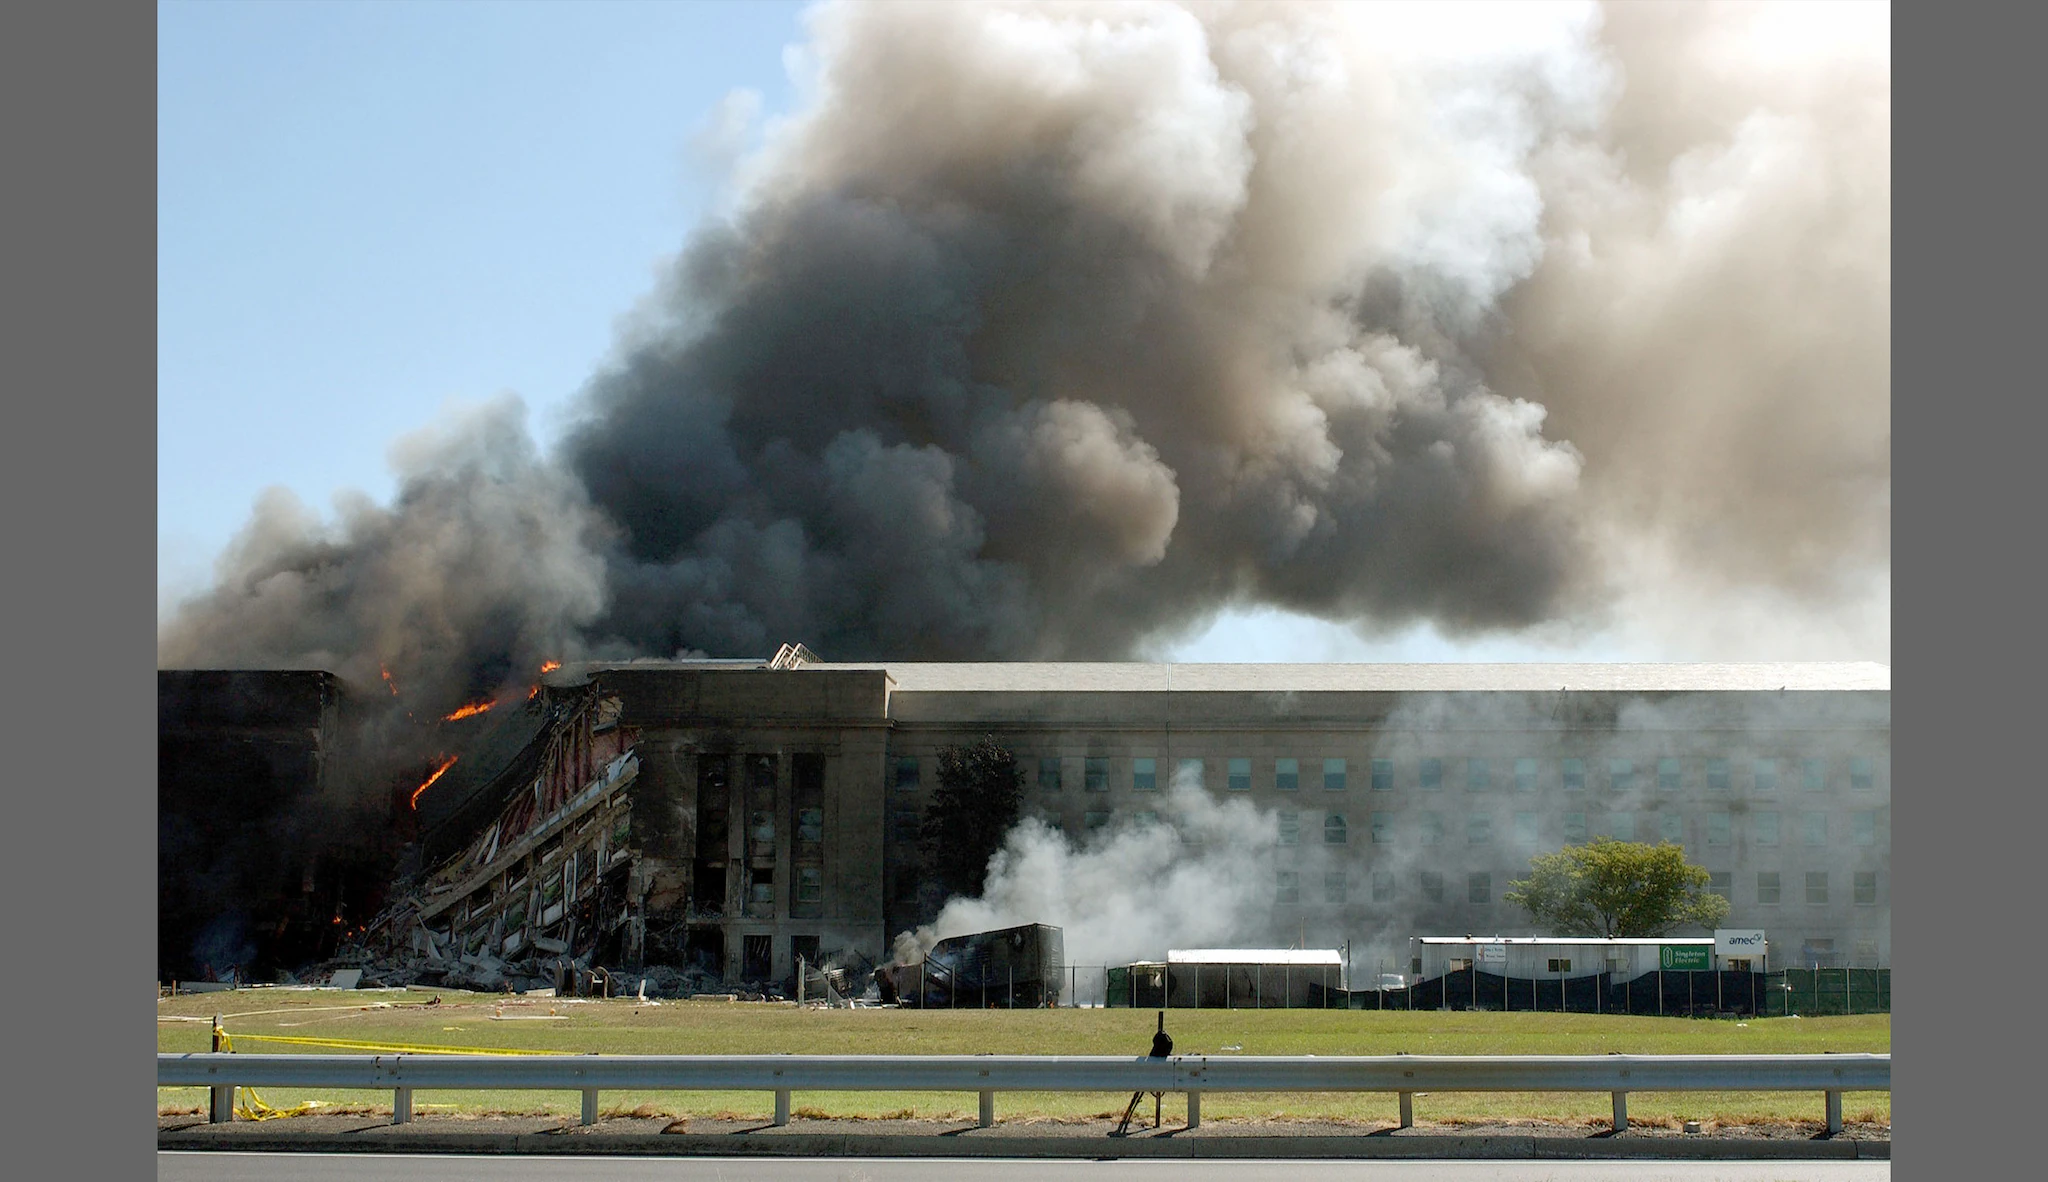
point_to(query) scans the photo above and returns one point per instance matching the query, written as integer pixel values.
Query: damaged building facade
(732, 816)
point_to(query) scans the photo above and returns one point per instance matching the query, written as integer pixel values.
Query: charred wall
(264, 860)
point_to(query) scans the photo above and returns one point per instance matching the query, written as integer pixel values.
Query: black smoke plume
(1049, 331)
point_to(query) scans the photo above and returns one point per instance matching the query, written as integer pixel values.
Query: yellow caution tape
(404, 1048)
(256, 1109)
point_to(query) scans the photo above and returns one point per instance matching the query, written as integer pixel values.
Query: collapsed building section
(691, 823)
(544, 883)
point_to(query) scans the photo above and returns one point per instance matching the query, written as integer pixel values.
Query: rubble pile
(429, 965)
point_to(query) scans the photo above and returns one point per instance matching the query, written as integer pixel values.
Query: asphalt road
(353, 1167)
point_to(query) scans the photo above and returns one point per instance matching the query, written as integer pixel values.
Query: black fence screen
(1670, 994)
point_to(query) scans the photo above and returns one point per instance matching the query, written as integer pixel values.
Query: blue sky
(366, 211)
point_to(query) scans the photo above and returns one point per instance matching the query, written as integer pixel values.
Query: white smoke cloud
(1201, 875)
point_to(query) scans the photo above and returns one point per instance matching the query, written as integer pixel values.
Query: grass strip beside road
(625, 1027)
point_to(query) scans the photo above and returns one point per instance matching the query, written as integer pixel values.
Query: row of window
(1621, 775)
(1429, 828)
(1479, 886)
(1770, 886)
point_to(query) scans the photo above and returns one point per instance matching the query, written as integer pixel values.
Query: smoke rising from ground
(1048, 331)
(1199, 876)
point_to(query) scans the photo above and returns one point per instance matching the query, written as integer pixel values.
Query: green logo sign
(1681, 957)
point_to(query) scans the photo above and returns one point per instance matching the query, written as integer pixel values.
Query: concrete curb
(1449, 1147)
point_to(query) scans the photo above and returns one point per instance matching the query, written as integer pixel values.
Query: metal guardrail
(1618, 1075)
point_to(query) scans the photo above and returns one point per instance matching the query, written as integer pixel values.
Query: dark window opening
(755, 957)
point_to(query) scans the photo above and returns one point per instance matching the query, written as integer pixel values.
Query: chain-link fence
(1667, 993)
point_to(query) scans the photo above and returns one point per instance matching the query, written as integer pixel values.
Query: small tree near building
(1617, 888)
(979, 798)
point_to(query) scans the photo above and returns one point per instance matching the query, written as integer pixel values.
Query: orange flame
(471, 710)
(534, 692)
(386, 674)
(438, 773)
(550, 666)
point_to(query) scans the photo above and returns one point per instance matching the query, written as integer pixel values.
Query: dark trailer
(1011, 968)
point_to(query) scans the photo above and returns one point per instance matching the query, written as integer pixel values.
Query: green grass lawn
(462, 1020)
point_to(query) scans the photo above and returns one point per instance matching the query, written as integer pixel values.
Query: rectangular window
(1621, 775)
(1382, 775)
(1336, 887)
(1382, 886)
(1863, 826)
(1479, 887)
(1287, 774)
(1559, 964)
(1767, 886)
(1145, 775)
(810, 825)
(1240, 775)
(1334, 831)
(1095, 820)
(1862, 774)
(1671, 828)
(1816, 775)
(1189, 772)
(1095, 773)
(1866, 887)
(1287, 887)
(1432, 828)
(1816, 886)
(1574, 828)
(1145, 817)
(1290, 827)
(1525, 775)
(1478, 829)
(906, 772)
(1719, 828)
(1574, 775)
(810, 884)
(905, 826)
(1478, 777)
(1722, 883)
(1766, 828)
(1622, 826)
(1866, 953)
(1049, 774)
(1333, 775)
(1433, 886)
(1766, 775)
(1382, 828)
(1717, 775)
(1527, 831)
(1670, 778)
(1430, 776)
(1816, 828)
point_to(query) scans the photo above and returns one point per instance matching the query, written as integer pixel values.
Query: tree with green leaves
(979, 798)
(1617, 888)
